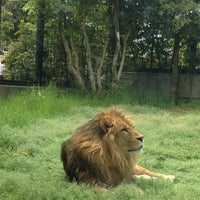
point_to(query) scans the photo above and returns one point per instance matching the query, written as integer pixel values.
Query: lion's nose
(140, 138)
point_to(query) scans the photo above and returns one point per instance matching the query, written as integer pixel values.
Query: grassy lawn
(34, 124)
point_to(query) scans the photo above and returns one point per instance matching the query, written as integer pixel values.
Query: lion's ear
(106, 123)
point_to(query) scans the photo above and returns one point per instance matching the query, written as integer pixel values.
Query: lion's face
(122, 132)
(129, 140)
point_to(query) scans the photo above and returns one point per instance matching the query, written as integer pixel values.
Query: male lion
(104, 152)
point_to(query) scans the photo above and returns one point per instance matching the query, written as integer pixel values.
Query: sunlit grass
(34, 125)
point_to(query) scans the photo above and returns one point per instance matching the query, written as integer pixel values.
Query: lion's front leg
(141, 172)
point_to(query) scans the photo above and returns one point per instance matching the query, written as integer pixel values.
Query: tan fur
(104, 151)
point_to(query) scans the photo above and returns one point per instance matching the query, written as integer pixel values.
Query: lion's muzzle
(140, 138)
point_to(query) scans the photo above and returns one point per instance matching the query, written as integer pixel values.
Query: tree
(91, 42)
(19, 35)
(11, 17)
(95, 56)
(175, 69)
(119, 53)
(170, 21)
(182, 22)
(40, 41)
(21, 58)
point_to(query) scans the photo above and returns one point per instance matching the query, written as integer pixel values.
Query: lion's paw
(144, 176)
(170, 178)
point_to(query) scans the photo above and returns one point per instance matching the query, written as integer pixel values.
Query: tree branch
(123, 57)
(100, 64)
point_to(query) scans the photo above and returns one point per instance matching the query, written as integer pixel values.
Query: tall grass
(29, 105)
(34, 123)
(34, 103)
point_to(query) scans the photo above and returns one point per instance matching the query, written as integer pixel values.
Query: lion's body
(104, 151)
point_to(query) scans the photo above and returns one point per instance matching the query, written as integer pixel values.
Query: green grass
(33, 125)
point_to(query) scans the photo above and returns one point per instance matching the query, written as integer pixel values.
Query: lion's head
(121, 131)
(103, 151)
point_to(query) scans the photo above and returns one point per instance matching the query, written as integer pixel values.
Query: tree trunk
(100, 64)
(192, 48)
(117, 70)
(123, 57)
(73, 68)
(151, 53)
(89, 60)
(114, 84)
(175, 70)
(39, 42)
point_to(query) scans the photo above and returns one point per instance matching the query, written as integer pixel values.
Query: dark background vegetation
(88, 44)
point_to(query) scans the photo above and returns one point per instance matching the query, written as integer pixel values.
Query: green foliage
(20, 62)
(35, 122)
(152, 25)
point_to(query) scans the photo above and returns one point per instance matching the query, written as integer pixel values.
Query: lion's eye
(125, 130)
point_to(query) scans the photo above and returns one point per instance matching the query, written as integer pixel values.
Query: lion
(104, 152)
